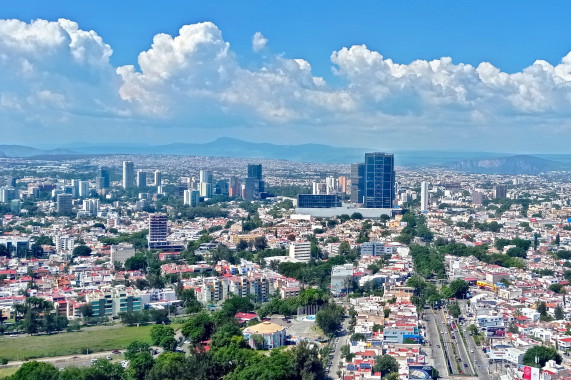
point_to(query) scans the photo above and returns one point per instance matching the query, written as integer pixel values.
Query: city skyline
(376, 77)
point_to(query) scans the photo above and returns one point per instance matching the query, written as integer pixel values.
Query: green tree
(81, 250)
(140, 364)
(357, 337)
(36, 371)
(385, 364)
(459, 288)
(136, 347)
(542, 354)
(329, 318)
(198, 328)
(454, 309)
(556, 288)
(558, 312)
(516, 252)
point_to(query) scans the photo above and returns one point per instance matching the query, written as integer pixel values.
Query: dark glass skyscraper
(255, 171)
(357, 182)
(103, 181)
(379, 190)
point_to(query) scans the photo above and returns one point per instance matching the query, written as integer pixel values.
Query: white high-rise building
(158, 178)
(83, 189)
(63, 243)
(424, 196)
(91, 206)
(128, 174)
(300, 251)
(191, 197)
(332, 185)
(206, 185)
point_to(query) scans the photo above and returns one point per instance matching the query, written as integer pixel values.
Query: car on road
(465, 365)
(459, 359)
(109, 357)
(472, 350)
(116, 352)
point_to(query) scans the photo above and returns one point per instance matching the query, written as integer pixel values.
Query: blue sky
(334, 72)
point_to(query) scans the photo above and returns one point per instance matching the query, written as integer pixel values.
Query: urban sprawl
(152, 267)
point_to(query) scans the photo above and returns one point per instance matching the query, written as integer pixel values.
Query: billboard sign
(527, 373)
(496, 332)
(420, 372)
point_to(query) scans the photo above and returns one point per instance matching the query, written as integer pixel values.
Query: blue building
(379, 191)
(318, 200)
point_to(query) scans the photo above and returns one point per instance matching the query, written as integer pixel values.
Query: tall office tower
(234, 187)
(83, 189)
(8, 193)
(477, 197)
(222, 187)
(206, 176)
(379, 180)
(103, 172)
(141, 179)
(255, 171)
(253, 184)
(206, 185)
(11, 181)
(500, 192)
(342, 180)
(424, 196)
(75, 188)
(128, 174)
(158, 231)
(158, 178)
(192, 197)
(251, 189)
(100, 183)
(64, 204)
(357, 182)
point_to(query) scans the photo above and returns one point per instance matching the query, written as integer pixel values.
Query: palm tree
(517, 313)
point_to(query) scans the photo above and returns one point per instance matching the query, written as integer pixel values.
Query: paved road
(343, 337)
(435, 349)
(457, 354)
(478, 357)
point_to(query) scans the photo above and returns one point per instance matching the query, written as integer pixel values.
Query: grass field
(5, 372)
(95, 339)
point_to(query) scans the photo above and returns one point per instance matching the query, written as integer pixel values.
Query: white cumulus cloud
(259, 42)
(55, 73)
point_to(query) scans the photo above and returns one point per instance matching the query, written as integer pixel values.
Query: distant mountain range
(26, 151)
(229, 147)
(472, 162)
(521, 164)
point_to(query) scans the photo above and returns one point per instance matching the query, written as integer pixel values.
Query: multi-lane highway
(457, 357)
